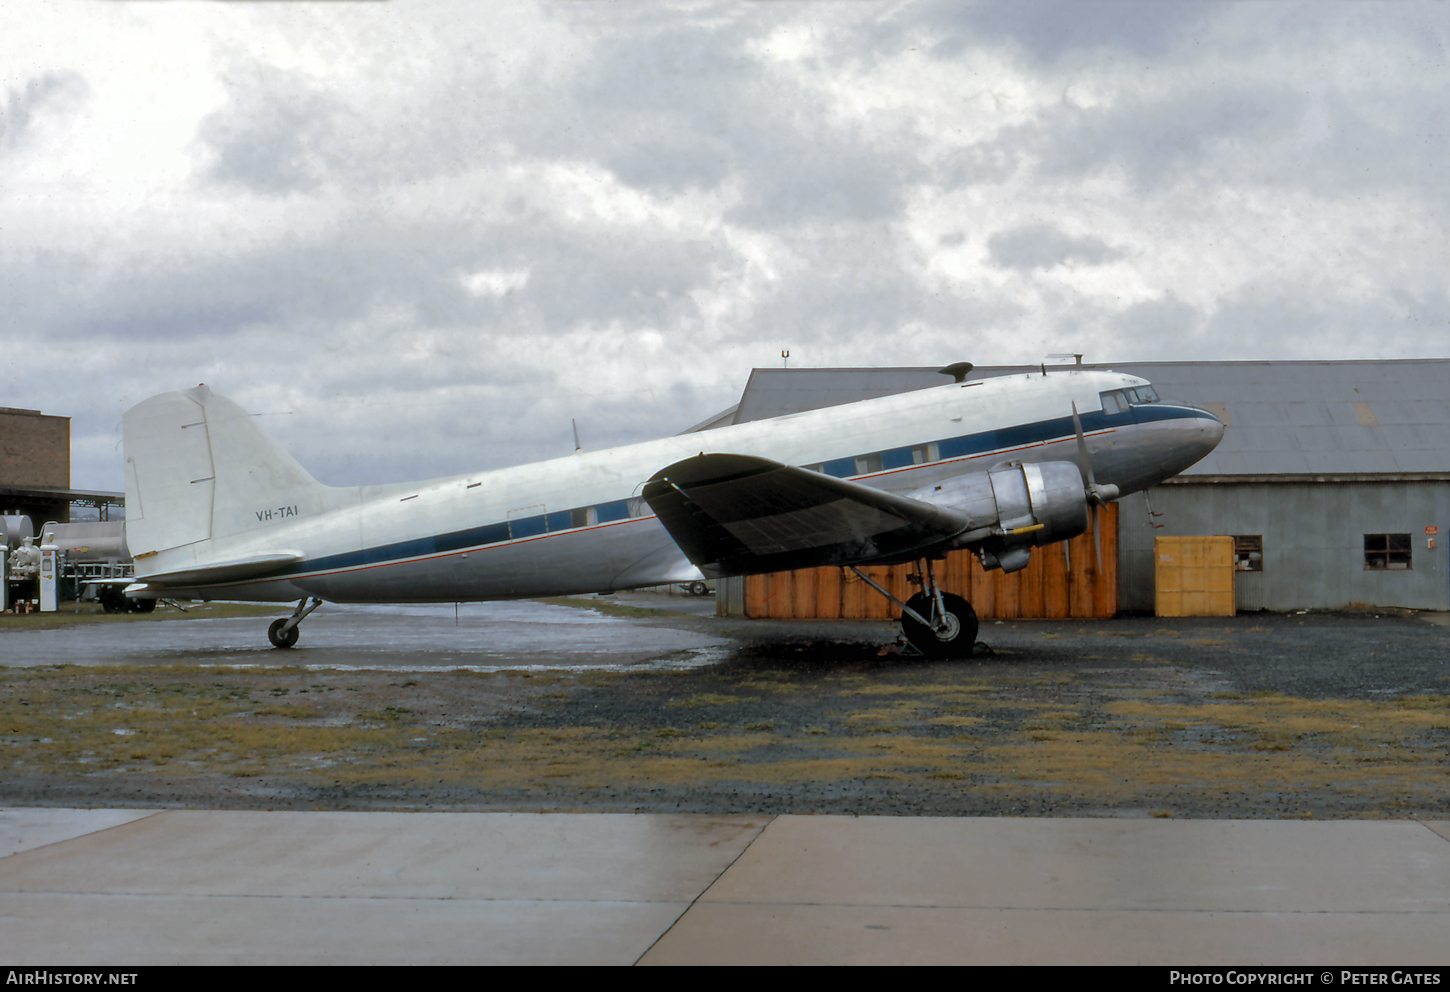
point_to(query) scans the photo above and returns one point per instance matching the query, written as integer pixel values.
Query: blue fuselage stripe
(970, 445)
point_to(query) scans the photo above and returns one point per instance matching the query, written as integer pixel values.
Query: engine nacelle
(1013, 507)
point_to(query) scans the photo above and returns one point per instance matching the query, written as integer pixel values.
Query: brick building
(34, 465)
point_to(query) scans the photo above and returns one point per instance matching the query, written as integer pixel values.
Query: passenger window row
(580, 516)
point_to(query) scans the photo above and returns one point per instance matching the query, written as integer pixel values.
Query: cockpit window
(1119, 400)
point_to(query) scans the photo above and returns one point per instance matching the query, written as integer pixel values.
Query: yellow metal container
(1194, 576)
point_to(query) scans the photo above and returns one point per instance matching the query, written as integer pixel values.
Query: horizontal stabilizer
(223, 571)
(740, 515)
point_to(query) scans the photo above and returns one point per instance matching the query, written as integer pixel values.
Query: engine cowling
(1014, 507)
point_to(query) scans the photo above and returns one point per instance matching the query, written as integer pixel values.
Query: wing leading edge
(740, 515)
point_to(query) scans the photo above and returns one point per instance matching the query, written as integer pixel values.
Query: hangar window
(1248, 552)
(1386, 551)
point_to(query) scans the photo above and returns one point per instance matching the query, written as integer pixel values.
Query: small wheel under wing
(956, 635)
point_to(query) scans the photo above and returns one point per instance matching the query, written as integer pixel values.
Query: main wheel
(143, 605)
(279, 639)
(959, 632)
(698, 588)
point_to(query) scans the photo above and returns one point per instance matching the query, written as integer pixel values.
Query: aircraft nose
(1208, 432)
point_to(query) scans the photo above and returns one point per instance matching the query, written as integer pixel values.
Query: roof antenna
(577, 445)
(957, 370)
(784, 356)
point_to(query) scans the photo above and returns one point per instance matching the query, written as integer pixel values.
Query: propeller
(1096, 495)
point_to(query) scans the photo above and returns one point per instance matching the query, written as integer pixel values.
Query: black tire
(279, 639)
(111, 599)
(925, 640)
(698, 588)
(143, 606)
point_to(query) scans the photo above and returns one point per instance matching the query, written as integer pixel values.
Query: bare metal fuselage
(575, 524)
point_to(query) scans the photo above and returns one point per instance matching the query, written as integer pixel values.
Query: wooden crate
(1062, 580)
(1193, 576)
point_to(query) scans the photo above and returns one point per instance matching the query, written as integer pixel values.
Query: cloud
(49, 91)
(276, 134)
(422, 241)
(1042, 246)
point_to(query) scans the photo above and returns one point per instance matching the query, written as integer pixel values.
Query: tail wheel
(953, 638)
(280, 639)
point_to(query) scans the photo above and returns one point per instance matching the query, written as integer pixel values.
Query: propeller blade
(1096, 494)
(1097, 537)
(1082, 450)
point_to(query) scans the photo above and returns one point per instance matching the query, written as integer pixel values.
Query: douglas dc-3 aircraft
(215, 509)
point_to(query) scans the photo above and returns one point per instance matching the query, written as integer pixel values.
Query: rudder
(198, 468)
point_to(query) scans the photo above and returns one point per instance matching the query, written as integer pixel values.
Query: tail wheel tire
(957, 635)
(278, 638)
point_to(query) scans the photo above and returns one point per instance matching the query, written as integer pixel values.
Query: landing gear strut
(936, 623)
(284, 633)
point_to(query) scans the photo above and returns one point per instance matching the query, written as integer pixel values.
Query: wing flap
(739, 515)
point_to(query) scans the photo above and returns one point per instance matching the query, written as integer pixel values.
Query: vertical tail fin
(199, 469)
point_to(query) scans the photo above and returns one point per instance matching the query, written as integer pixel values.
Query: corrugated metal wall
(1047, 587)
(1313, 535)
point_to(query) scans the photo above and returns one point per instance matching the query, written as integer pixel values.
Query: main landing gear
(936, 623)
(284, 633)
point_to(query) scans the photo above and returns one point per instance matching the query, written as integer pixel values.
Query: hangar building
(1333, 478)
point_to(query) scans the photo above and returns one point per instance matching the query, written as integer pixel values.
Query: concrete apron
(117, 887)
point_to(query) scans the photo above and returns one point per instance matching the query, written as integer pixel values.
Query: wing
(740, 515)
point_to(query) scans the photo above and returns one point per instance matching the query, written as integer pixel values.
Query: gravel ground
(1263, 715)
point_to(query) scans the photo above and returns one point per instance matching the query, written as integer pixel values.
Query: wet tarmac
(484, 637)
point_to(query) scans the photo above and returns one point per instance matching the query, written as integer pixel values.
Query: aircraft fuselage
(576, 524)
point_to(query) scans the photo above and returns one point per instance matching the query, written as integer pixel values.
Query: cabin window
(923, 453)
(868, 463)
(1115, 402)
(526, 527)
(1386, 552)
(896, 458)
(605, 512)
(1248, 552)
(1120, 400)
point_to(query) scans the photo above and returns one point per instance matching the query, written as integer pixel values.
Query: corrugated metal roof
(1284, 418)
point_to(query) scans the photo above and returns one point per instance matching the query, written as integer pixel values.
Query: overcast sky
(419, 238)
